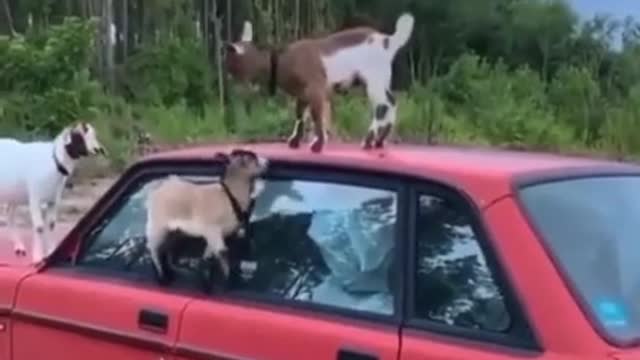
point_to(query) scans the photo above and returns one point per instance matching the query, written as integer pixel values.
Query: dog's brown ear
(222, 157)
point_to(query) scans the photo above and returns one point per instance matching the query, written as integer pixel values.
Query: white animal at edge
(35, 174)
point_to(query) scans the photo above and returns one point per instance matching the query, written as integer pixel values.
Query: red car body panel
(55, 308)
(10, 278)
(278, 335)
(559, 322)
(7, 255)
(484, 174)
(52, 310)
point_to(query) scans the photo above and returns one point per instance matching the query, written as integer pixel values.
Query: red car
(406, 253)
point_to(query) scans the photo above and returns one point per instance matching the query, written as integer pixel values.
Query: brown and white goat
(311, 69)
(210, 211)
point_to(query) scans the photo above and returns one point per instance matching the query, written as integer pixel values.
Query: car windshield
(592, 227)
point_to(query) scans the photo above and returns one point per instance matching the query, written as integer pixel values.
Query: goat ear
(83, 125)
(243, 152)
(67, 136)
(234, 48)
(222, 157)
(247, 32)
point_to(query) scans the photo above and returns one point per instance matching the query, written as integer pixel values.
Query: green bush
(500, 106)
(45, 82)
(44, 77)
(169, 72)
(578, 102)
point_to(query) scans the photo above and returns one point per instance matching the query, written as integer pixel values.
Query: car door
(62, 315)
(460, 305)
(325, 284)
(103, 305)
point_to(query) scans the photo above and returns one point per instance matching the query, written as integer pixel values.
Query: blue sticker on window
(611, 313)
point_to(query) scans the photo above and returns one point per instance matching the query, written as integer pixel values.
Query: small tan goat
(211, 211)
(311, 69)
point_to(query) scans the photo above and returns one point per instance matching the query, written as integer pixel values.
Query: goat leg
(384, 116)
(163, 271)
(214, 260)
(212, 275)
(319, 110)
(37, 224)
(386, 119)
(155, 240)
(53, 210)
(18, 244)
(298, 129)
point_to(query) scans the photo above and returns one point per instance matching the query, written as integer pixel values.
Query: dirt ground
(75, 201)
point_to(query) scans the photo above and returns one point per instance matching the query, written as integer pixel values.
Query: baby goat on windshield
(311, 69)
(35, 174)
(210, 211)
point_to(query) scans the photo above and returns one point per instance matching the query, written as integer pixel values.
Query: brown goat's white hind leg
(386, 125)
(321, 115)
(302, 111)
(384, 116)
(326, 120)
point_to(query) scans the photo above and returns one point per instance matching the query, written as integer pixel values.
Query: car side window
(454, 285)
(324, 243)
(315, 242)
(117, 245)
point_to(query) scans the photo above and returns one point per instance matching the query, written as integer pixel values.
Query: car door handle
(348, 354)
(153, 320)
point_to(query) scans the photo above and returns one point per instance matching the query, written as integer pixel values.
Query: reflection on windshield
(592, 227)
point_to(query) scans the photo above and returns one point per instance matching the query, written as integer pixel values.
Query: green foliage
(168, 72)
(504, 107)
(44, 77)
(619, 133)
(577, 100)
(518, 73)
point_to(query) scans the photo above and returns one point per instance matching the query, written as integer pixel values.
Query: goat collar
(61, 169)
(241, 215)
(273, 71)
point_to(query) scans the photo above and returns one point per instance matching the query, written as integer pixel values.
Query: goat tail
(404, 28)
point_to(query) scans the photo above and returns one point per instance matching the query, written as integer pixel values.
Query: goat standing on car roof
(211, 211)
(311, 69)
(35, 174)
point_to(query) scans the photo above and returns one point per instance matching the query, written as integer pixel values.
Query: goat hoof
(294, 142)
(20, 251)
(367, 142)
(317, 146)
(379, 145)
(164, 280)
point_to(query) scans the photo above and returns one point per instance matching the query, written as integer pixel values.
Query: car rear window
(592, 227)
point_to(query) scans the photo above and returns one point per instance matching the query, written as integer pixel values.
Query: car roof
(483, 173)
